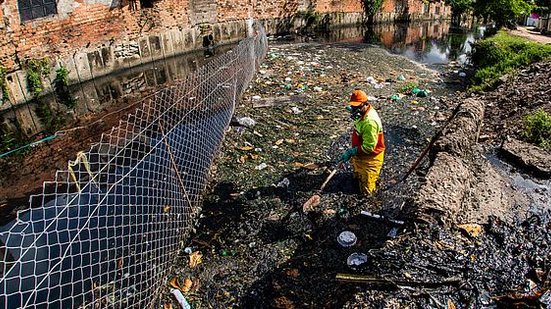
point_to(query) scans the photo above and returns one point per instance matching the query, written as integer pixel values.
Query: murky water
(100, 94)
(430, 42)
(436, 44)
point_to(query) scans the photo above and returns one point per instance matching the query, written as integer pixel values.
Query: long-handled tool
(330, 176)
(427, 148)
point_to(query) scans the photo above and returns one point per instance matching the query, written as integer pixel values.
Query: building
(92, 38)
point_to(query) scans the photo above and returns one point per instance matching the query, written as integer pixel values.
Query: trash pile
(268, 236)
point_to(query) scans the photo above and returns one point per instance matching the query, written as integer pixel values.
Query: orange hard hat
(358, 97)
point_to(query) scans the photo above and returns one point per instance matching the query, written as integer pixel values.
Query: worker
(368, 144)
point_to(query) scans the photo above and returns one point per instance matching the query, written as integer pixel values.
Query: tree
(371, 7)
(503, 12)
(542, 6)
(458, 8)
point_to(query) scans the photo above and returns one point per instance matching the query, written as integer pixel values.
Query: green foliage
(61, 85)
(408, 87)
(311, 18)
(36, 69)
(371, 7)
(51, 119)
(460, 6)
(4, 96)
(502, 54)
(537, 129)
(12, 138)
(502, 12)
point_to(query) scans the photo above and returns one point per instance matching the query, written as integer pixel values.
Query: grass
(502, 54)
(537, 129)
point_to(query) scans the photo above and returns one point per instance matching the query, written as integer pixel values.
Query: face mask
(355, 112)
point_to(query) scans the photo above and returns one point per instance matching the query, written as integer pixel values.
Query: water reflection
(23, 123)
(432, 43)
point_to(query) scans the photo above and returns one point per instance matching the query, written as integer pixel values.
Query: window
(32, 9)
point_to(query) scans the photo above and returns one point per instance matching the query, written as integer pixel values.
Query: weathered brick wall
(80, 25)
(388, 6)
(262, 9)
(415, 6)
(347, 6)
(88, 25)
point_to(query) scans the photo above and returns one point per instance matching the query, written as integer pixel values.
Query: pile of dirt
(520, 94)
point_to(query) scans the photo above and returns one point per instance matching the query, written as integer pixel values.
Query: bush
(501, 54)
(537, 129)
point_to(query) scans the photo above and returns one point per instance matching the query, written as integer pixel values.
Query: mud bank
(260, 249)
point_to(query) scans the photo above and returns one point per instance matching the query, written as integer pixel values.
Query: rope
(81, 158)
(49, 138)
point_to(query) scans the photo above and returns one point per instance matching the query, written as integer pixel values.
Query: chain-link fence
(111, 225)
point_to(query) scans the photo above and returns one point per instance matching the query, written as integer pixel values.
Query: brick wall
(347, 6)
(88, 25)
(82, 25)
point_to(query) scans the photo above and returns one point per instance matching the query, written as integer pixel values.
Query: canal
(434, 43)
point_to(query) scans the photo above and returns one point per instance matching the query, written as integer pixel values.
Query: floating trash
(347, 239)
(392, 233)
(284, 183)
(246, 122)
(261, 166)
(356, 259)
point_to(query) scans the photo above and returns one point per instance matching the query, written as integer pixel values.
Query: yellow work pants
(366, 170)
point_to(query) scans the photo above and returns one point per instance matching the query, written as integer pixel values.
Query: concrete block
(14, 88)
(82, 66)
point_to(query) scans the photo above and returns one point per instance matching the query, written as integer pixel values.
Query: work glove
(345, 156)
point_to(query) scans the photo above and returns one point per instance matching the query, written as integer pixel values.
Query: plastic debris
(422, 93)
(318, 89)
(396, 97)
(347, 239)
(261, 166)
(195, 259)
(187, 285)
(311, 203)
(284, 183)
(462, 74)
(472, 229)
(356, 259)
(376, 216)
(295, 110)
(246, 122)
(188, 250)
(392, 233)
(401, 78)
(180, 298)
(256, 97)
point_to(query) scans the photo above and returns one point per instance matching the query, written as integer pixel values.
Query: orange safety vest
(368, 135)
